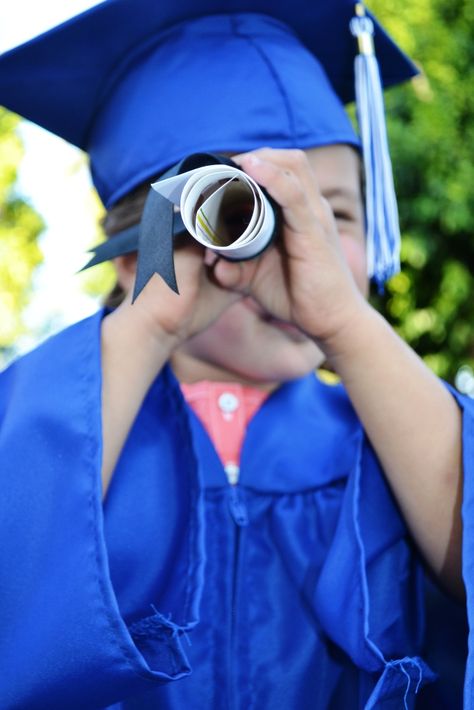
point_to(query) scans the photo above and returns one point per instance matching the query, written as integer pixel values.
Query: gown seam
(184, 429)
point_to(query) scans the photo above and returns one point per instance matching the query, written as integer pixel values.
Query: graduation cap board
(142, 85)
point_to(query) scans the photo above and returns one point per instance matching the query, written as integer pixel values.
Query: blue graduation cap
(142, 84)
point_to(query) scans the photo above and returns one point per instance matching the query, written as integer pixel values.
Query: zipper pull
(237, 507)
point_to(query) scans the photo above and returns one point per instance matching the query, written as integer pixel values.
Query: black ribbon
(153, 237)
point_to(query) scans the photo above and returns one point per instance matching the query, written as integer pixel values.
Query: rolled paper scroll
(223, 209)
(219, 206)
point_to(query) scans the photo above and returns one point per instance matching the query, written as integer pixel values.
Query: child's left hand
(305, 279)
(412, 421)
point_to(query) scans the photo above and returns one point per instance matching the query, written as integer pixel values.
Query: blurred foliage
(431, 131)
(20, 227)
(99, 281)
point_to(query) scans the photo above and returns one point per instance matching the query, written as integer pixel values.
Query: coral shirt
(225, 409)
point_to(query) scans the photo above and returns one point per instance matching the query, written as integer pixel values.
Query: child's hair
(124, 214)
(127, 211)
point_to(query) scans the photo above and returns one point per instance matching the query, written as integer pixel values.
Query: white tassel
(383, 230)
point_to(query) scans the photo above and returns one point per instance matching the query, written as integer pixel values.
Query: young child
(164, 584)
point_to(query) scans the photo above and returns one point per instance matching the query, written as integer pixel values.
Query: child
(295, 585)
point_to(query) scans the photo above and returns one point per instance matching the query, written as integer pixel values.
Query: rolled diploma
(186, 190)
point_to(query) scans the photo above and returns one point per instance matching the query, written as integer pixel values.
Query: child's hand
(160, 314)
(138, 339)
(412, 421)
(305, 279)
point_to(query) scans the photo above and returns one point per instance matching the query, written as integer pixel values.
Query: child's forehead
(338, 170)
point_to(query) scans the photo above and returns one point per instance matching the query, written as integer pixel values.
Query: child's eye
(342, 215)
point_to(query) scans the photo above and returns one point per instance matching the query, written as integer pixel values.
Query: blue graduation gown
(297, 588)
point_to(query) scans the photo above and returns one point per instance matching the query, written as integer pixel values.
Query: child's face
(244, 344)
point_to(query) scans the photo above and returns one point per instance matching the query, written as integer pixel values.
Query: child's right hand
(138, 339)
(158, 314)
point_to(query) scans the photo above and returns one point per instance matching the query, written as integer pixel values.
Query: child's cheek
(354, 252)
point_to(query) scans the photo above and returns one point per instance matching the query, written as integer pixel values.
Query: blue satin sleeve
(369, 594)
(467, 406)
(64, 642)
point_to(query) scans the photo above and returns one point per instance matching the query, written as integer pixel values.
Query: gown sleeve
(362, 610)
(369, 594)
(467, 406)
(63, 639)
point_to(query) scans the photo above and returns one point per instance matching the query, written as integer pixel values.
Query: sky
(54, 178)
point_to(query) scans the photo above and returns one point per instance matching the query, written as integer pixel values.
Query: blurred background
(50, 216)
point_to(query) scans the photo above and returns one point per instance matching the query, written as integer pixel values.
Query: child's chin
(294, 365)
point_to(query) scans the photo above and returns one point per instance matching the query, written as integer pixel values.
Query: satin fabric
(296, 589)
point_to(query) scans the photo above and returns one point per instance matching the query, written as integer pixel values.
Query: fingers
(210, 257)
(289, 179)
(294, 162)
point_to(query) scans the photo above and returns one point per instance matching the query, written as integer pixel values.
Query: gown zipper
(237, 507)
(239, 514)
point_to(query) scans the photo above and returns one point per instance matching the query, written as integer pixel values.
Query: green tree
(20, 227)
(431, 130)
